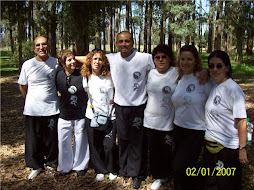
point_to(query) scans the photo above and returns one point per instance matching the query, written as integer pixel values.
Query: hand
(203, 76)
(243, 156)
(112, 101)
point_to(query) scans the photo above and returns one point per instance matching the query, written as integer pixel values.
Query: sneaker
(158, 183)
(112, 176)
(136, 183)
(34, 173)
(100, 177)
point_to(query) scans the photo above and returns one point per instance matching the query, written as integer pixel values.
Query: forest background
(84, 25)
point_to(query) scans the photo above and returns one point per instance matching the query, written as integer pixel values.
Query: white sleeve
(84, 82)
(239, 110)
(23, 75)
(150, 62)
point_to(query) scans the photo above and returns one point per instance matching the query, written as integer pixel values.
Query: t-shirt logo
(72, 89)
(51, 75)
(216, 100)
(166, 89)
(73, 100)
(190, 88)
(136, 75)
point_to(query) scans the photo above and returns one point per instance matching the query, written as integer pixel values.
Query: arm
(242, 132)
(23, 90)
(203, 76)
(81, 59)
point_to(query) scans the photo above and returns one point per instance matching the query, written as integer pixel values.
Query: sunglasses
(218, 66)
(68, 81)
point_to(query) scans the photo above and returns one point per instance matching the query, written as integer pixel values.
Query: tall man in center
(129, 70)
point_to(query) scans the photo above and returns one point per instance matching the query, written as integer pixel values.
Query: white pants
(78, 158)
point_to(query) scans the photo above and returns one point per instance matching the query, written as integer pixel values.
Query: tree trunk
(162, 26)
(111, 34)
(53, 26)
(210, 32)
(20, 30)
(127, 15)
(217, 40)
(150, 26)
(170, 36)
(200, 28)
(146, 26)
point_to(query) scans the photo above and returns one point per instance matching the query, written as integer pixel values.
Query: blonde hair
(86, 69)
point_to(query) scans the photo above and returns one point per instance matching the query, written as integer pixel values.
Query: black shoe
(81, 172)
(136, 183)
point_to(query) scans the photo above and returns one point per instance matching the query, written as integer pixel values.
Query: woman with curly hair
(73, 101)
(100, 89)
(189, 101)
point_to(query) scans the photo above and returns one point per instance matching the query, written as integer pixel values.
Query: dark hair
(62, 56)
(224, 57)
(191, 48)
(125, 32)
(162, 48)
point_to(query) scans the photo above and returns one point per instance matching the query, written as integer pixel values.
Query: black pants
(131, 141)
(230, 167)
(189, 144)
(41, 145)
(103, 149)
(161, 152)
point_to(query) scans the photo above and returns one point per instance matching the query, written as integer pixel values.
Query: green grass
(8, 67)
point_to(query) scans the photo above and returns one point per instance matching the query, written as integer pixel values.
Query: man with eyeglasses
(37, 85)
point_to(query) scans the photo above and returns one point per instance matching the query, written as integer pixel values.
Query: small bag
(100, 122)
(213, 146)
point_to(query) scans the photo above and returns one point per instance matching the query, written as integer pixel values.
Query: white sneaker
(100, 177)
(34, 173)
(158, 183)
(112, 176)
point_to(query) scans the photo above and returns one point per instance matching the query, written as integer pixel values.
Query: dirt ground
(14, 173)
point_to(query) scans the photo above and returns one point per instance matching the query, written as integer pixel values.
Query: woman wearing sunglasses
(189, 101)
(226, 126)
(99, 86)
(73, 101)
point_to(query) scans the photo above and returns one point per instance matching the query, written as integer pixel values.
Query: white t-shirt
(225, 103)
(189, 100)
(41, 98)
(101, 91)
(129, 76)
(159, 112)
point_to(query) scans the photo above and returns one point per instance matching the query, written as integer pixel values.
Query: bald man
(37, 85)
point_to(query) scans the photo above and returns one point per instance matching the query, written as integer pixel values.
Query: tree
(218, 28)
(210, 23)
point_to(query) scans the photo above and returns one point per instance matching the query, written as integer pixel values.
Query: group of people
(159, 112)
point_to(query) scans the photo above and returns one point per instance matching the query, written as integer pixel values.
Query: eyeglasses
(68, 81)
(160, 57)
(41, 44)
(218, 66)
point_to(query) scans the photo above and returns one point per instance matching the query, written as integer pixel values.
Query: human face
(162, 62)
(124, 44)
(219, 70)
(41, 48)
(187, 62)
(97, 62)
(70, 63)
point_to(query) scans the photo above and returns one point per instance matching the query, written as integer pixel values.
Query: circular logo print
(136, 75)
(72, 89)
(190, 88)
(216, 100)
(166, 89)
